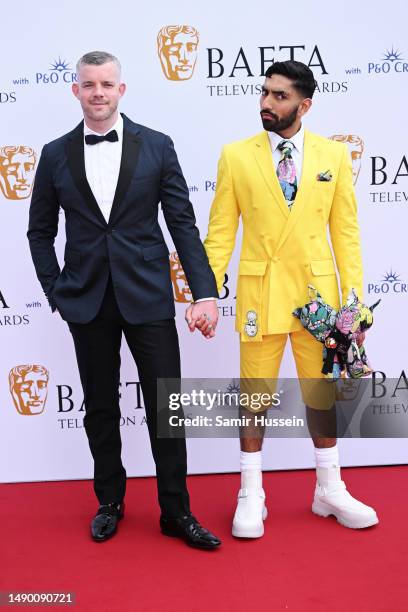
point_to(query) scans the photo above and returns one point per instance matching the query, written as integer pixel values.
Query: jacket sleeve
(345, 232)
(224, 221)
(43, 227)
(180, 219)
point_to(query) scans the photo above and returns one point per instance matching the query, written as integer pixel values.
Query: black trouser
(155, 349)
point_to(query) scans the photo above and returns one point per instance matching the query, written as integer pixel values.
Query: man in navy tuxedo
(109, 176)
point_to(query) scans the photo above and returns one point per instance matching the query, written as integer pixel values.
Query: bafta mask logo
(177, 48)
(17, 164)
(356, 148)
(182, 292)
(29, 388)
(347, 389)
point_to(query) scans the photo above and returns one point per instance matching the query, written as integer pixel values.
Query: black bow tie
(92, 139)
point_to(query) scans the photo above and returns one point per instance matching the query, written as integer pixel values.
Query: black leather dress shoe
(189, 529)
(104, 525)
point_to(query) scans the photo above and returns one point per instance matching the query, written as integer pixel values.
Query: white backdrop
(359, 54)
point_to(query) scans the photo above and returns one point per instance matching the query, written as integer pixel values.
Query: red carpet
(303, 562)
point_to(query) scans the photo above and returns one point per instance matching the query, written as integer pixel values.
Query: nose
(34, 391)
(21, 173)
(183, 54)
(98, 91)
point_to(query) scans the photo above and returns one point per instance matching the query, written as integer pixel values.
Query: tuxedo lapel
(130, 155)
(310, 169)
(76, 165)
(263, 156)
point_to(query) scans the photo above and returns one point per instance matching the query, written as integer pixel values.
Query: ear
(297, 312)
(352, 298)
(75, 89)
(122, 88)
(374, 305)
(304, 106)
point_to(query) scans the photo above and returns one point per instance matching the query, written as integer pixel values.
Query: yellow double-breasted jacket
(283, 251)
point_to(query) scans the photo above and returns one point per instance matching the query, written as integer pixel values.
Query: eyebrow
(275, 91)
(92, 82)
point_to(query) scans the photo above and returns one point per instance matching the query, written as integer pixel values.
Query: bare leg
(322, 426)
(251, 435)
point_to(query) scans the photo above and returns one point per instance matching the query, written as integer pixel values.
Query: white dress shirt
(102, 165)
(297, 151)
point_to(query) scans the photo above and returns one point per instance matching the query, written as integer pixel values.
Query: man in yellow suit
(287, 184)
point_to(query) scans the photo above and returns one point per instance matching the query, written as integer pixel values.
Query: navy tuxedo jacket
(130, 246)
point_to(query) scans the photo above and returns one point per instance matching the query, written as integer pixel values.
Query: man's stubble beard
(101, 117)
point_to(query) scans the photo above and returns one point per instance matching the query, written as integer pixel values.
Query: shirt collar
(297, 140)
(118, 127)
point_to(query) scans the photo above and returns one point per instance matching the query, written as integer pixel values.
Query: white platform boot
(332, 498)
(251, 510)
(250, 514)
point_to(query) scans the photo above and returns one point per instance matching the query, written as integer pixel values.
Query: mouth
(267, 116)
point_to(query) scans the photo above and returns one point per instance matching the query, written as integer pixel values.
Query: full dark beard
(275, 125)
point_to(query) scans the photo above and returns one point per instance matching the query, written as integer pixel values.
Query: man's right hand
(203, 316)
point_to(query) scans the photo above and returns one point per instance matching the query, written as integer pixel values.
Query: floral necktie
(286, 172)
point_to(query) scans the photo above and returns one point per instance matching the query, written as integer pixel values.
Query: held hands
(203, 316)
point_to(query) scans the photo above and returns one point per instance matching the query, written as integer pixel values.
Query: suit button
(313, 236)
(275, 259)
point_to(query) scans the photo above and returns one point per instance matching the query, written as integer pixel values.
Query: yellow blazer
(283, 251)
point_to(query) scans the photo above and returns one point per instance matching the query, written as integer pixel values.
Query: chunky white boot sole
(252, 531)
(320, 508)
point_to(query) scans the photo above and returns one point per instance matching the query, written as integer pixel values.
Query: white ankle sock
(251, 470)
(327, 457)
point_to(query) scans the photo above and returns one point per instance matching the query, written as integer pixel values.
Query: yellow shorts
(261, 360)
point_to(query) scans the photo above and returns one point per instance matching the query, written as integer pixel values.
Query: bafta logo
(182, 292)
(356, 148)
(347, 389)
(29, 388)
(177, 49)
(17, 164)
